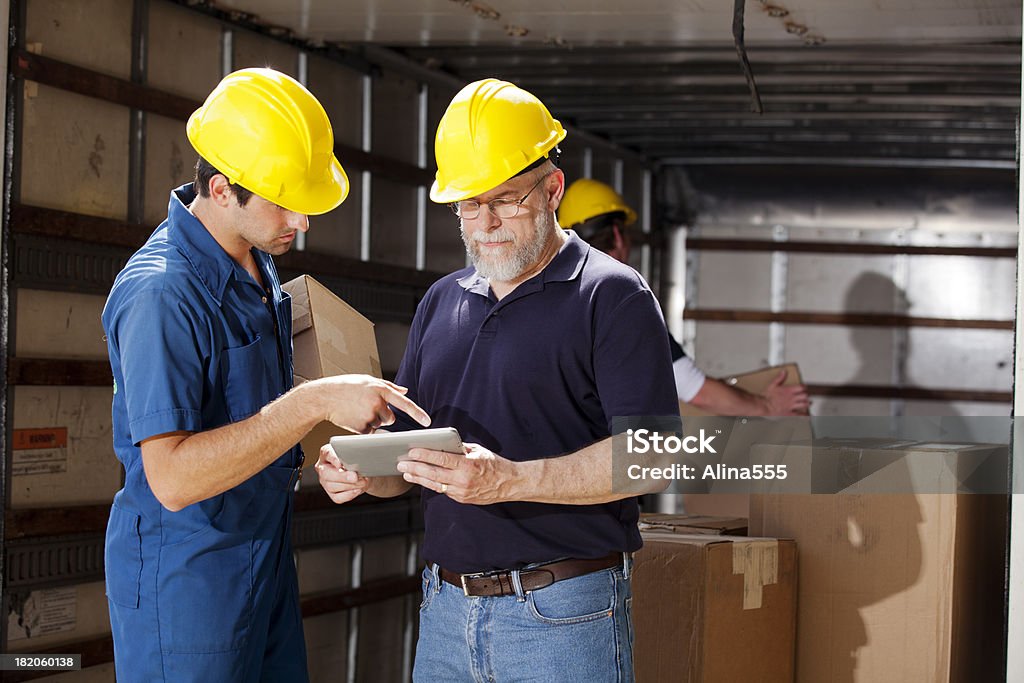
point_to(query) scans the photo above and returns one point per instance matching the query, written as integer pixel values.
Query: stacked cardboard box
(697, 595)
(755, 382)
(894, 587)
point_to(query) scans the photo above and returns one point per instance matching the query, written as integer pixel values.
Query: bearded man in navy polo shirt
(530, 354)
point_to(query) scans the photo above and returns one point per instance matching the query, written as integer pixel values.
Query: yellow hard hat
(586, 199)
(263, 130)
(490, 132)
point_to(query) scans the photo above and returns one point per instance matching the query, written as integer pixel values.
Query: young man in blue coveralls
(530, 353)
(200, 578)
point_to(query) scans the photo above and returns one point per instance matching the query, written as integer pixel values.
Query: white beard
(523, 257)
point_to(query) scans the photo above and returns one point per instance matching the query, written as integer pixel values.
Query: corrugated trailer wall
(101, 93)
(891, 306)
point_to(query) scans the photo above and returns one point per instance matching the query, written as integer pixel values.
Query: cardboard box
(693, 524)
(710, 609)
(727, 503)
(755, 382)
(895, 587)
(329, 337)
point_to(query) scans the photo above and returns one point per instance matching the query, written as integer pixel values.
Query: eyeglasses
(469, 209)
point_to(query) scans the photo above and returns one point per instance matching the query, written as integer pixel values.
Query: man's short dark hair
(599, 231)
(205, 171)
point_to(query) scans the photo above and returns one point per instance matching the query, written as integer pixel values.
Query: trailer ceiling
(843, 82)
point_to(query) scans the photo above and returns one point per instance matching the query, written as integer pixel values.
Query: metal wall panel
(184, 51)
(252, 49)
(394, 134)
(862, 407)
(170, 162)
(59, 325)
(395, 107)
(438, 99)
(104, 673)
(340, 90)
(842, 283)
(323, 569)
(445, 251)
(571, 160)
(960, 359)
(87, 472)
(75, 163)
(729, 348)
(922, 286)
(954, 408)
(338, 232)
(962, 287)
(834, 354)
(79, 611)
(94, 34)
(391, 341)
(734, 281)
(393, 222)
(327, 647)
(381, 626)
(603, 167)
(633, 189)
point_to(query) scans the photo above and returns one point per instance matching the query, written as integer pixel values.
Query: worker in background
(529, 353)
(200, 578)
(599, 215)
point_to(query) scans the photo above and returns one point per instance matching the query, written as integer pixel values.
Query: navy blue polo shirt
(194, 343)
(539, 374)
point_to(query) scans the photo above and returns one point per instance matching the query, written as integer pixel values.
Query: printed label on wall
(45, 612)
(39, 451)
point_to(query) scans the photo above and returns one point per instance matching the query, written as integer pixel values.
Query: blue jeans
(578, 629)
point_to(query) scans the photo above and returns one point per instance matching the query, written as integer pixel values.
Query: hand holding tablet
(377, 455)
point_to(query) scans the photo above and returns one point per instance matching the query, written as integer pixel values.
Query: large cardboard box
(755, 382)
(895, 587)
(712, 609)
(329, 337)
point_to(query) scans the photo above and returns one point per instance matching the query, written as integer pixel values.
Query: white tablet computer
(377, 455)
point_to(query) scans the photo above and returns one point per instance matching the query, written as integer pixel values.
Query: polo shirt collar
(212, 264)
(565, 267)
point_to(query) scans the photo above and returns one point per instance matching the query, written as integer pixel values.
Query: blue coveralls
(208, 593)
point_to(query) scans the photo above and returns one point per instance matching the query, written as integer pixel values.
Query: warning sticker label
(39, 451)
(44, 612)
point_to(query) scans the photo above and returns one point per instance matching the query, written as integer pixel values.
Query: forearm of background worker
(185, 468)
(483, 478)
(343, 485)
(719, 398)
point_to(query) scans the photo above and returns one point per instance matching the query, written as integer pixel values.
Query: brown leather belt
(492, 584)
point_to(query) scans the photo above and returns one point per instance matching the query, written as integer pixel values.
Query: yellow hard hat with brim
(587, 198)
(491, 131)
(266, 132)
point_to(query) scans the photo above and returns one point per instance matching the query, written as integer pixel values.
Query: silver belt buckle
(465, 588)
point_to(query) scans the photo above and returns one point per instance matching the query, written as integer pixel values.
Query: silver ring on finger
(444, 489)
